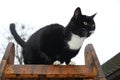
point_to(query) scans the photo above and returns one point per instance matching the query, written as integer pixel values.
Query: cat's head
(82, 25)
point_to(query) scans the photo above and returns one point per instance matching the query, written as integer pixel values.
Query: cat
(54, 43)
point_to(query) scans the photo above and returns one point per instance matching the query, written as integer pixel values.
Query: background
(34, 14)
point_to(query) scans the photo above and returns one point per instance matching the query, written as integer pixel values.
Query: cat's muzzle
(91, 32)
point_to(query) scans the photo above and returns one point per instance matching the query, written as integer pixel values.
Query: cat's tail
(16, 36)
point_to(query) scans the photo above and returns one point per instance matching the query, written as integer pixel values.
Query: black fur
(50, 43)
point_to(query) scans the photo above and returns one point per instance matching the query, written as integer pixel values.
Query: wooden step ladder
(90, 71)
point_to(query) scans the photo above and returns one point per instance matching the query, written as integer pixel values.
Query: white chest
(75, 42)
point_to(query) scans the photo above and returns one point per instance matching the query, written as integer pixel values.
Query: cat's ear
(77, 12)
(93, 15)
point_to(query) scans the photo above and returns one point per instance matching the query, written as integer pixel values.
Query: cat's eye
(85, 23)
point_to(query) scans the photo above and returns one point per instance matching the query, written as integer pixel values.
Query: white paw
(72, 63)
(57, 63)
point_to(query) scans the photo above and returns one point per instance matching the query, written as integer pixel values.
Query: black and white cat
(55, 44)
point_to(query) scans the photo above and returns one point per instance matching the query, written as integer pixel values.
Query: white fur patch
(75, 42)
(57, 63)
(72, 63)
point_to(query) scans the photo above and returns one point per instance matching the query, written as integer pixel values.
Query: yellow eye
(85, 23)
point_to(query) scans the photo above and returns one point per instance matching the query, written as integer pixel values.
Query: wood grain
(48, 71)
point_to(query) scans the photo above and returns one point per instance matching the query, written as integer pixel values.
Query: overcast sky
(38, 13)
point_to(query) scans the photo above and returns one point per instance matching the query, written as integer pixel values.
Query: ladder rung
(48, 71)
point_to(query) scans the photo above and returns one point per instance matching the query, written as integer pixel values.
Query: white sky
(38, 13)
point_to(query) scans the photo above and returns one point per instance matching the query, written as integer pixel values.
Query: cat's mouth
(91, 32)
